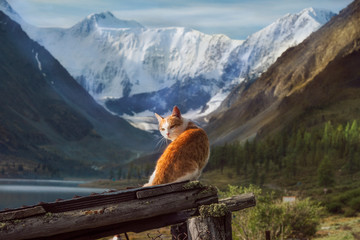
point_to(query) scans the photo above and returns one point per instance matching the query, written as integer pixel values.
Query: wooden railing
(189, 207)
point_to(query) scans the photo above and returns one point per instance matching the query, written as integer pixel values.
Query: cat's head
(172, 126)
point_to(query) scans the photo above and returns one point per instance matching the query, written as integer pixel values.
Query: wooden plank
(72, 221)
(22, 213)
(95, 200)
(145, 193)
(133, 226)
(239, 202)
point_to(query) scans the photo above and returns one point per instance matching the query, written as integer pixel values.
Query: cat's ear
(176, 112)
(158, 117)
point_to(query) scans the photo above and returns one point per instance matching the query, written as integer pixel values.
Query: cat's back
(193, 144)
(192, 136)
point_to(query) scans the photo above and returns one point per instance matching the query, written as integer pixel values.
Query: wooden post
(210, 228)
(267, 235)
(215, 222)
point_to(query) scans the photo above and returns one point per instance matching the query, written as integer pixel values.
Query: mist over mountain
(49, 124)
(311, 83)
(135, 71)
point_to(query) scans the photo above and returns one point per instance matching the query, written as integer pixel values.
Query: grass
(339, 228)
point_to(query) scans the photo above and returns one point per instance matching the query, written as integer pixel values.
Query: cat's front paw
(147, 185)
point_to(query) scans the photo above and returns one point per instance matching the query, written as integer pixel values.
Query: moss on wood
(213, 210)
(192, 185)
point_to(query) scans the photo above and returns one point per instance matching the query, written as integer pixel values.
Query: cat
(187, 154)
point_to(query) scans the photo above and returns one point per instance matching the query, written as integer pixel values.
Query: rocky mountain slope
(316, 81)
(48, 119)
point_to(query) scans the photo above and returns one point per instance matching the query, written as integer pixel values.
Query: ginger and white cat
(187, 154)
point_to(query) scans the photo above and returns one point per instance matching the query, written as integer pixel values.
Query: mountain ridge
(153, 65)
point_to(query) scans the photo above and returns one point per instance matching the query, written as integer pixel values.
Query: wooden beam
(56, 223)
(132, 226)
(22, 213)
(152, 192)
(239, 202)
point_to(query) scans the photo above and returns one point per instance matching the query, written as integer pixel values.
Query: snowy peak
(262, 48)
(4, 5)
(321, 16)
(309, 17)
(8, 10)
(104, 20)
(108, 20)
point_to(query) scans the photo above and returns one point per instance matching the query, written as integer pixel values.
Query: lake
(15, 193)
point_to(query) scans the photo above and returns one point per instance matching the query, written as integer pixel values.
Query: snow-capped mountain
(262, 48)
(122, 60)
(132, 69)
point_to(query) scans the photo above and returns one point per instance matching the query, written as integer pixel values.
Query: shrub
(355, 203)
(335, 207)
(347, 203)
(349, 212)
(303, 218)
(347, 196)
(284, 220)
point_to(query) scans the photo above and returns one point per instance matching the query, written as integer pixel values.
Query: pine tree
(239, 159)
(148, 168)
(223, 157)
(119, 173)
(130, 171)
(353, 132)
(325, 173)
(111, 176)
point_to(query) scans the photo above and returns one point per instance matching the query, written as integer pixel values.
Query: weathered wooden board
(132, 226)
(57, 223)
(152, 192)
(239, 202)
(22, 213)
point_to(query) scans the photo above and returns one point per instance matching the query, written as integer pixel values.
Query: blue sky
(234, 18)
